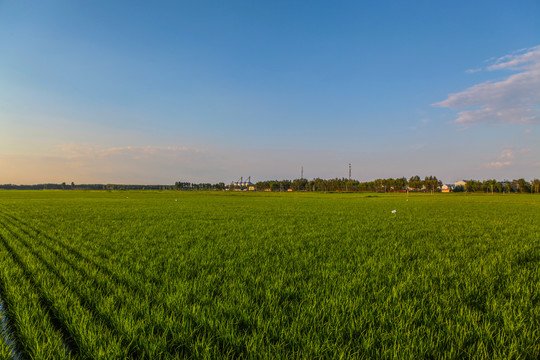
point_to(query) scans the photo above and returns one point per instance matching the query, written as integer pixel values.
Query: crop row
(99, 314)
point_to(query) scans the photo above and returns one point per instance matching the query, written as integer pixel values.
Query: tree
(299, 184)
(473, 185)
(489, 185)
(535, 186)
(400, 184)
(431, 183)
(72, 185)
(63, 186)
(524, 186)
(415, 183)
(508, 187)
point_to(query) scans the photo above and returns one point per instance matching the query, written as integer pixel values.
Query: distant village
(413, 184)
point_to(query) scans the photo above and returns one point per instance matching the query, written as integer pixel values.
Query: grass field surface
(173, 275)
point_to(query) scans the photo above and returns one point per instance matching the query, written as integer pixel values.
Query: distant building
(447, 187)
(460, 183)
(243, 184)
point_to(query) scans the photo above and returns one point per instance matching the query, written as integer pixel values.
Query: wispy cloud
(506, 157)
(497, 164)
(503, 160)
(507, 154)
(73, 150)
(513, 100)
(123, 164)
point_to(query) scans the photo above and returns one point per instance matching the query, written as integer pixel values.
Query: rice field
(211, 275)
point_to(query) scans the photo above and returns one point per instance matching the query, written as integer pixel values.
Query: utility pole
(349, 171)
(302, 173)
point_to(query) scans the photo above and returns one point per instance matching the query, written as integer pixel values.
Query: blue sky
(138, 92)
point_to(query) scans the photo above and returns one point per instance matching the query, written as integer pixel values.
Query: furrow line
(167, 329)
(8, 347)
(32, 320)
(125, 305)
(178, 330)
(68, 312)
(38, 232)
(130, 286)
(83, 261)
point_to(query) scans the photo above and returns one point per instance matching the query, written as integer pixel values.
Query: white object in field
(175, 199)
(393, 211)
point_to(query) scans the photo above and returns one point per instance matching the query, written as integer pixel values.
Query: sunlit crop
(163, 275)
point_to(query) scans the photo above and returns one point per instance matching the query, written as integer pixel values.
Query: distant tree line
(110, 187)
(506, 186)
(413, 184)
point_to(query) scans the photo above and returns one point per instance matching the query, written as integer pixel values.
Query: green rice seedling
(6, 339)
(221, 275)
(112, 302)
(88, 336)
(29, 324)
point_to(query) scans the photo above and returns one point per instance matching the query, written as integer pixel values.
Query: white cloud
(523, 59)
(497, 164)
(513, 100)
(507, 154)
